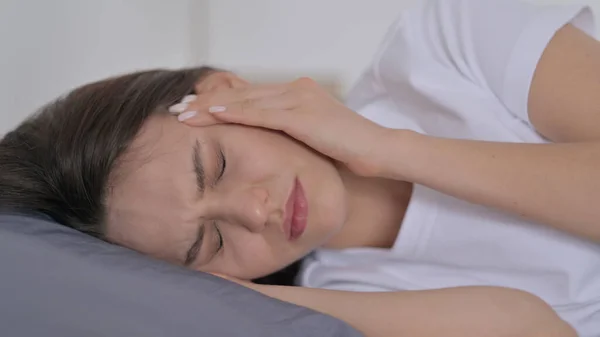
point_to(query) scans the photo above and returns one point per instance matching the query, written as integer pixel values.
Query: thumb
(195, 118)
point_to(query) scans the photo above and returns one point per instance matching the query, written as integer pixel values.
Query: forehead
(149, 205)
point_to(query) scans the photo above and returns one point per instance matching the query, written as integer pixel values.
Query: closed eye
(218, 237)
(221, 162)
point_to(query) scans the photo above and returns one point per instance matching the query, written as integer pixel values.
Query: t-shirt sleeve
(340, 272)
(495, 43)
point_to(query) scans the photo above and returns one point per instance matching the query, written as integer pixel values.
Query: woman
(471, 169)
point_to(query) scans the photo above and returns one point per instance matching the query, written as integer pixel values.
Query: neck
(376, 210)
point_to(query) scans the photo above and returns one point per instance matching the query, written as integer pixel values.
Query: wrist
(395, 154)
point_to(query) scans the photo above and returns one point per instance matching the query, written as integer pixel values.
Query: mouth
(296, 212)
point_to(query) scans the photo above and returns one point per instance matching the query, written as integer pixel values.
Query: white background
(49, 47)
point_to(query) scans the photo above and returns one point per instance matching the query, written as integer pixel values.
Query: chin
(330, 226)
(333, 231)
(335, 214)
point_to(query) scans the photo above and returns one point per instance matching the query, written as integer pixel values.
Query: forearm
(467, 311)
(555, 184)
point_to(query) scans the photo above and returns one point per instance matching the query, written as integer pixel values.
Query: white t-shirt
(462, 69)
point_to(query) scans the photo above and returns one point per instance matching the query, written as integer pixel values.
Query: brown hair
(58, 162)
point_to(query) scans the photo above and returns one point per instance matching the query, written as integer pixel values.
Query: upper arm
(564, 100)
(533, 59)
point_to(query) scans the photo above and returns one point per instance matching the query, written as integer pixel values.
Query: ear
(219, 80)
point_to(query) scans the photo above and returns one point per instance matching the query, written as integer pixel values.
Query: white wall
(325, 38)
(48, 47)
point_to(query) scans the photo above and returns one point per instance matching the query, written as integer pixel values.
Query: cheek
(252, 163)
(252, 257)
(258, 164)
(261, 152)
(260, 147)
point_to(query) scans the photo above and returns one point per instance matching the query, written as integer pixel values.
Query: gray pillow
(56, 282)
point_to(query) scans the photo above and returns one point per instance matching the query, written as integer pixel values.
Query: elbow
(555, 327)
(535, 318)
(551, 326)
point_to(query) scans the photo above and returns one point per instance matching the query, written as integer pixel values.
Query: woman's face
(224, 198)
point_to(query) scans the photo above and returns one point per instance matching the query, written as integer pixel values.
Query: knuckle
(246, 104)
(306, 94)
(244, 92)
(306, 82)
(209, 98)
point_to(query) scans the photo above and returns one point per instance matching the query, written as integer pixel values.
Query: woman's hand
(304, 111)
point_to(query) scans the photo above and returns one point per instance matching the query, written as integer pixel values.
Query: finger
(195, 118)
(239, 113)
(240, 94)
(219, 80)
(188, 108)
(192, 108)
(263, 90)
(182, 105)
(223, 98)
(247, 114)
(286, 101)
(183, 112)
(202, 103)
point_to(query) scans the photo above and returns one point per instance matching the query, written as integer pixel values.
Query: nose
(249, 208)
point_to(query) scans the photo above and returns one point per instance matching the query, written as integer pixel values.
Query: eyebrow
(192, 253)
(199, 168)
(194, 249)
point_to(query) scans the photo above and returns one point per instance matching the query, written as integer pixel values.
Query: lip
(296, 212)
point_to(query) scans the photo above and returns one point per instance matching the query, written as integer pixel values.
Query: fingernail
(178, 108)
(218, 108)
(189, 99)
(186, 115)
